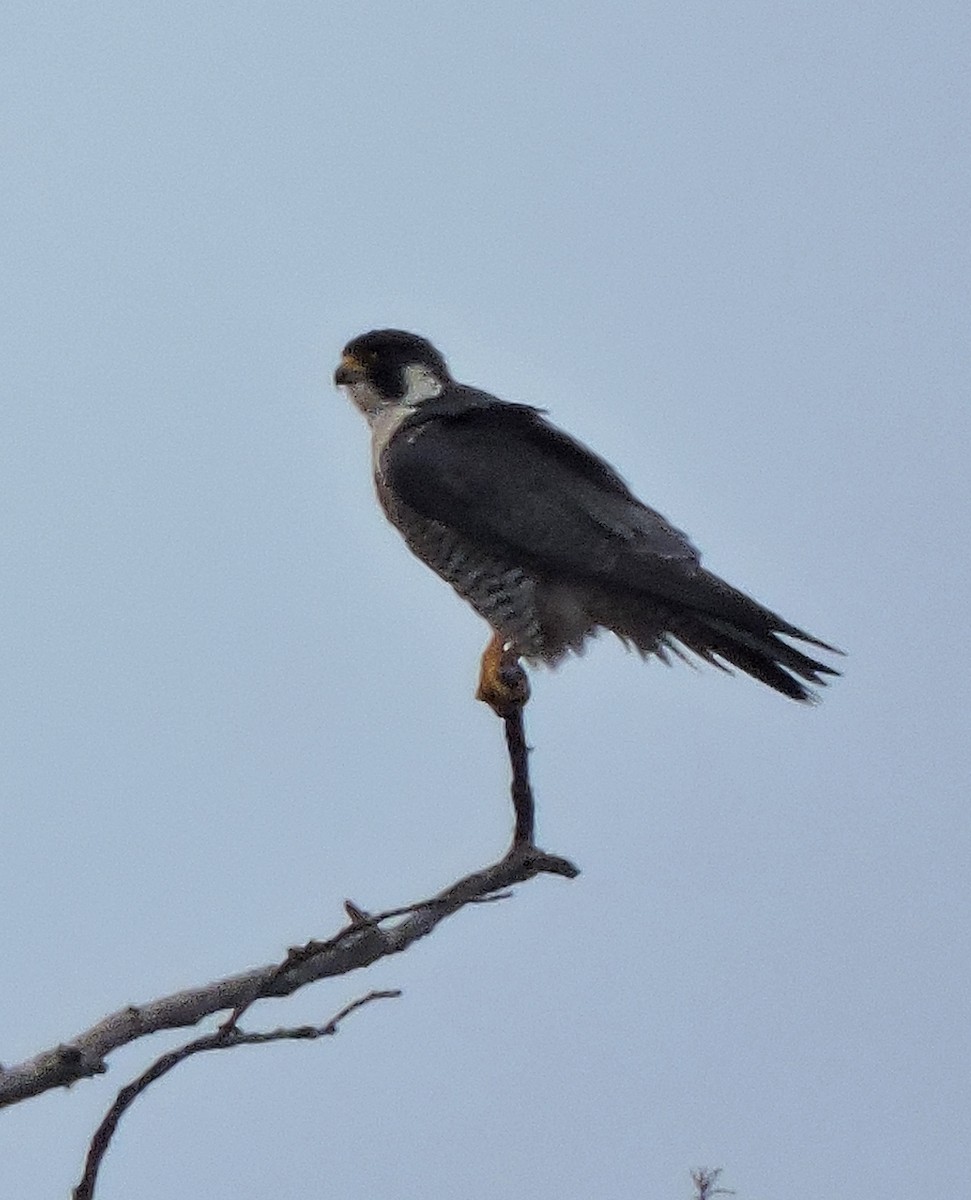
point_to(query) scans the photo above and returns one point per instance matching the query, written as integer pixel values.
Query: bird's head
(388, 367)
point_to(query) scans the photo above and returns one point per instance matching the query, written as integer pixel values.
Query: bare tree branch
(360, 943)
(705, 1180)
(522, 793)
(226, 1037)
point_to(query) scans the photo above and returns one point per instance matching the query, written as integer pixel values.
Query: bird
(543, 537)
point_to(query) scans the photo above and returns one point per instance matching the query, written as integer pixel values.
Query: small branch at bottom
(225, 1038)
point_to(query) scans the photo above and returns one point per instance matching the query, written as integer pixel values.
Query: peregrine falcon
(541, 536)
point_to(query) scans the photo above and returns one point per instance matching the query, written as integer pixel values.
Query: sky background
(725, 244)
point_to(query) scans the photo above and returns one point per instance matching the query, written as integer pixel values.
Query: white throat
(421, 384)
(384, 425)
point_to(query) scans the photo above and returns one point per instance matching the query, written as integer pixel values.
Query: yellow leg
(502, 681)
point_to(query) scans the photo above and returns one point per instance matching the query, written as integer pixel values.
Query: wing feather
(506, 480)
(504, 477)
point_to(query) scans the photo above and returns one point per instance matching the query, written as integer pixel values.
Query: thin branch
(224, 1038)
(364, 940)
(359, 944)
(705, 1180)
(522, 792)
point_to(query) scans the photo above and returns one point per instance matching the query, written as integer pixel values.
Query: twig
(223, 1039)
(705, 1179)
(522, 793)
(357, 945)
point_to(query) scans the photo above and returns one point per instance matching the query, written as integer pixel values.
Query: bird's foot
(503, 684)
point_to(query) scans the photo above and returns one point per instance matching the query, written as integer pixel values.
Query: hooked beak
(351, 370)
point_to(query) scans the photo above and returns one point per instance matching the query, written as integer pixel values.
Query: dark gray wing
(505, 478)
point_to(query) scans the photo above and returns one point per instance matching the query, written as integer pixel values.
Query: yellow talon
(503, 684)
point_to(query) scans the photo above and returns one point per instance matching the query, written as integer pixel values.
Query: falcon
(541, 536)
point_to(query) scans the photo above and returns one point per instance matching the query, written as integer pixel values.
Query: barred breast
(502, 594)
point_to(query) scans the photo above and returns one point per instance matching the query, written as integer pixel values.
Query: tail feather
(765, 657)
(721, 625)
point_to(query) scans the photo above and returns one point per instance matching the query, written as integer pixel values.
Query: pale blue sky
(727, 245)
